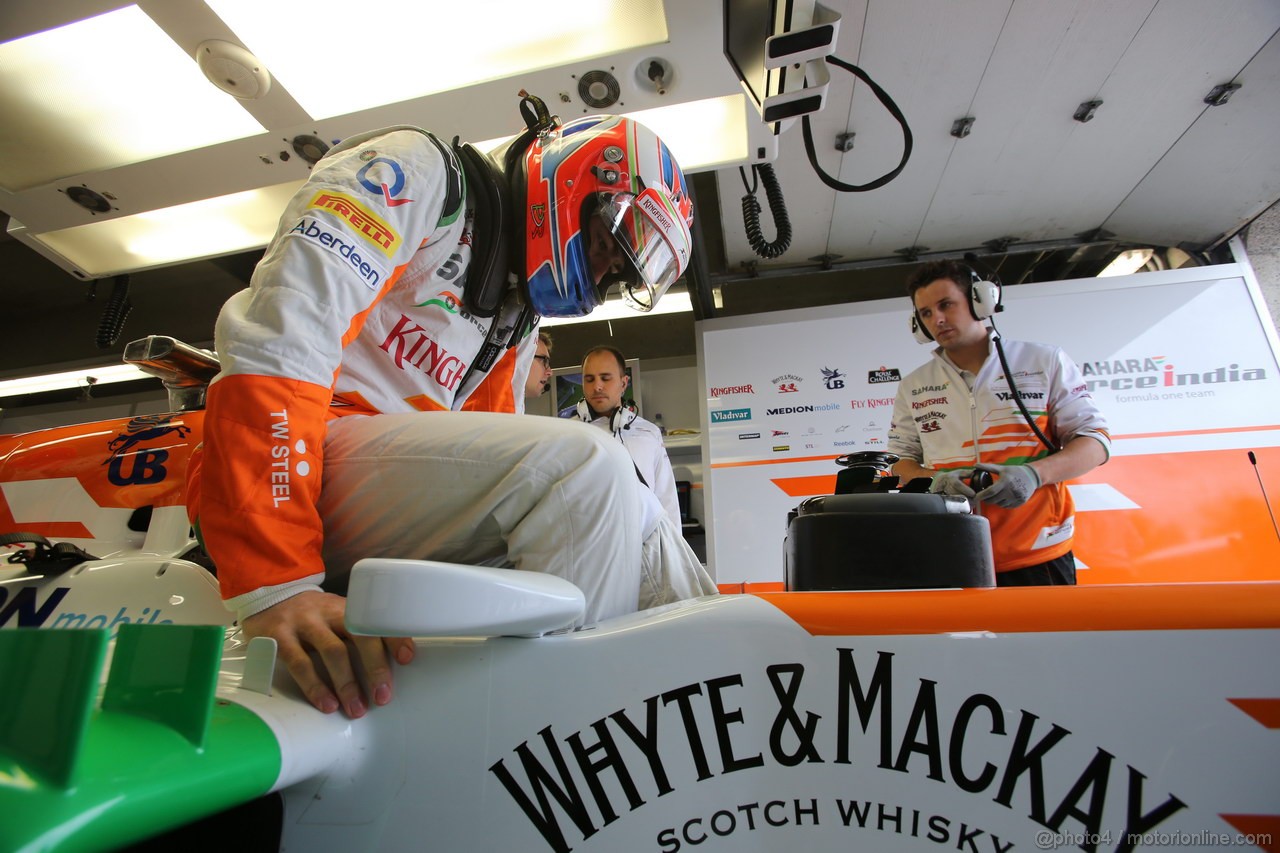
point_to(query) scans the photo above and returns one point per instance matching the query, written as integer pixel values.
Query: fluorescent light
(1127, 263)
(615, 309)
(420, 48)
(701, 134)
(102, 93)
(101, 375)
(199, 229)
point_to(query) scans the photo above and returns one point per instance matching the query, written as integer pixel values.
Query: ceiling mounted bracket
(1220, 94)
(961, 127)
(1085, 111)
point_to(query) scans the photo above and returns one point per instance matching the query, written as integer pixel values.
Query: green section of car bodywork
(160, 751)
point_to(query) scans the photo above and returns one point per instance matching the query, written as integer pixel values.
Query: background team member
(539, 381)
(357, 412)
(604, 383)
(956, 414)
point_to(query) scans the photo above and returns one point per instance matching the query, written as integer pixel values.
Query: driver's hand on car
(314, 621)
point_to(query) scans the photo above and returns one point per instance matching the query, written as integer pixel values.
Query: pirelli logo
(364, 223)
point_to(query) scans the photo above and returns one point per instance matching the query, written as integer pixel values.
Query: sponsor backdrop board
(1183, 364)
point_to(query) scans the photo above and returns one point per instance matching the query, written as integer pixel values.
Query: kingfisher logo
(729, 415)
(884, 374)
(314, 232)
(376, 232)
(409, 346)
(384, 178)
(729, 390)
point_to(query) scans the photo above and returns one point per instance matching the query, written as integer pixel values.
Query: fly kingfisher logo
(384, 178)
(375, 232)
(1159, 372)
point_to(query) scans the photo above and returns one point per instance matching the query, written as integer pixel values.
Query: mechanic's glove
(954, 482)
(1013, 486)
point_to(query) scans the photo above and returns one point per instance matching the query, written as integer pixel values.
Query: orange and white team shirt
(941, 423)
(356, 308)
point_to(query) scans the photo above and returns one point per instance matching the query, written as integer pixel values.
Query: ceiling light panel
(701, 134)
(101, 93)
(201, 229)
(334, 61)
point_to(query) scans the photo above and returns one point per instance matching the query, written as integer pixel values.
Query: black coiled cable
(777, 209)
(116, 312)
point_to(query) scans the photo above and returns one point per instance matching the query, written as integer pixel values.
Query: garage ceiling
(1031, 189)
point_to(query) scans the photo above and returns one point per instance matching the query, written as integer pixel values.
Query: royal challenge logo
(883, 374)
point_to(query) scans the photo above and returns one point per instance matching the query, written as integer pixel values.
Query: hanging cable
(115, 313)
(883, 96)
(777, 209)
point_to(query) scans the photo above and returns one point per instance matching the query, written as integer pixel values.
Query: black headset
(983, 296)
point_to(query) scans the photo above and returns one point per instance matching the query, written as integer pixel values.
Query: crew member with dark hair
(957, 414)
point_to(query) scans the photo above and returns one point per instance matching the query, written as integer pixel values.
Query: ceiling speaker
(233, 69)
(598, 89)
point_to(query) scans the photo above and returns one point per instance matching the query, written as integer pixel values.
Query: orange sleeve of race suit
(342, 244)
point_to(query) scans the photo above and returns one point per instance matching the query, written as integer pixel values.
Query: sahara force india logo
(1006, 756)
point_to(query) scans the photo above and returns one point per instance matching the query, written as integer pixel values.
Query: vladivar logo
(730, 415)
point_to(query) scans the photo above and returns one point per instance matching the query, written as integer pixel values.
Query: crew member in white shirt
(604, 382)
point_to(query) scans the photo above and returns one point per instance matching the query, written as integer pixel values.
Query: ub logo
(148, 465)
(834, 379)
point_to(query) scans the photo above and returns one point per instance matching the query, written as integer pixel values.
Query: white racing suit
(940, 423)
(643, 441)
(345, 422)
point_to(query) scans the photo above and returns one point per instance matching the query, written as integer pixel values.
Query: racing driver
(364, 405)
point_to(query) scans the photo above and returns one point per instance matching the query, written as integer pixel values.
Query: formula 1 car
(1091, 717)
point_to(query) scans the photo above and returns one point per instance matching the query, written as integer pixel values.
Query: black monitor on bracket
(777, 47)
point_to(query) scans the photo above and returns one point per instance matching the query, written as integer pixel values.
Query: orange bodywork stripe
(1015, 610)
(1265, 711)
(1265, 829)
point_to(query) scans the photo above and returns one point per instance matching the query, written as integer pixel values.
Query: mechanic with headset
(604, 383)
(370, 369)
(960, 414)
(539, 379)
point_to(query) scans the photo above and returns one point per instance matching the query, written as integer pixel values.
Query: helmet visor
(653, 237)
